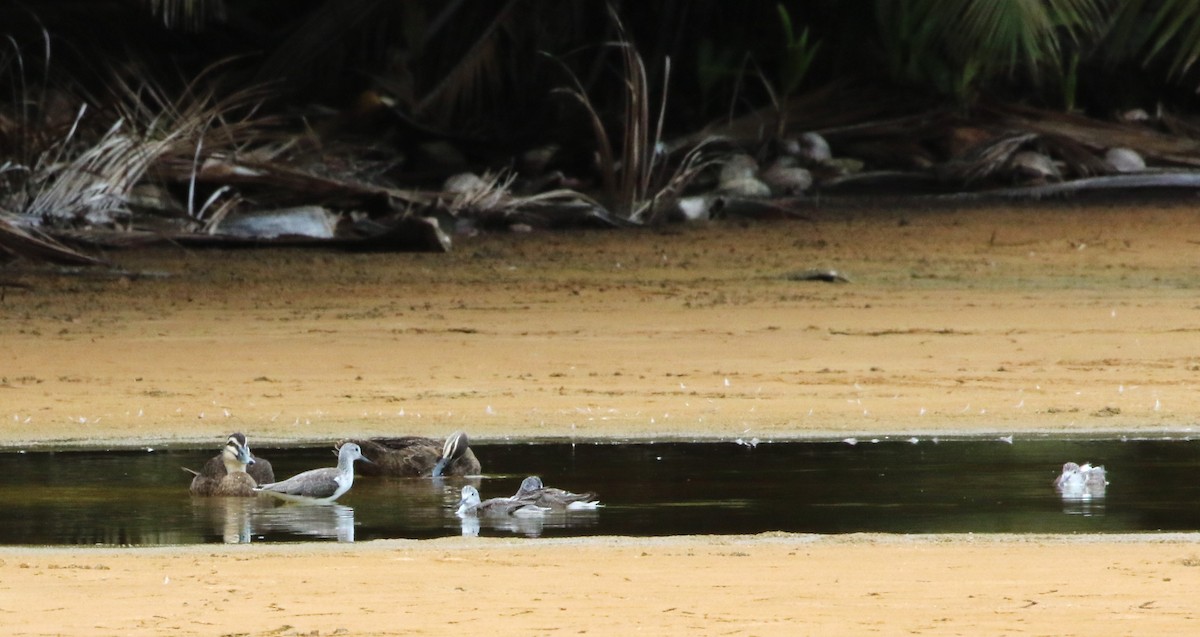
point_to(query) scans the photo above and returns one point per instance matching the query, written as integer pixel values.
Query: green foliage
(955, 46)
(713, 66)
(1168, 29)
(798, 54)
(1070, 83)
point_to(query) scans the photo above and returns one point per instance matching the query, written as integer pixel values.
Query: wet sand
(1067, 319)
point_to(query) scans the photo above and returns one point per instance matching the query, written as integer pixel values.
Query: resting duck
(532, 490)
(470, 504)
(414, 456)
(259, 469)
(1081, 480)
(229, 476)
(318, 486)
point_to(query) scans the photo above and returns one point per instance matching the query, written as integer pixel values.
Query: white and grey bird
(1081, 481)
(470, 504)
(534, 491)
(229, 477)
(319, 486)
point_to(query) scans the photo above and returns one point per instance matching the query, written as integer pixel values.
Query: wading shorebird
(319, 486)
(470, 504)
(532, 490)
(1081, 481)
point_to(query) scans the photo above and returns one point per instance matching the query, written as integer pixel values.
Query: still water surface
(980, 486)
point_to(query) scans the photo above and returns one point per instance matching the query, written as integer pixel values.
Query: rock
(737, 167)
(1032, 167)
(746, 187)
(783, 179)
(301, 221)
(464, 183)
(1125, 160)
(697, 208)
(809, 147)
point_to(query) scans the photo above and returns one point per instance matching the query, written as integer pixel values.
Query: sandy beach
(1071, 319)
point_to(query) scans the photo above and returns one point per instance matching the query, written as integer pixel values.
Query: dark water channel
(140, 497)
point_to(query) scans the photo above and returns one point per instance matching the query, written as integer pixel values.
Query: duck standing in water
(1081, 481)
(318, 486)
(414, 456)
(470, 504)
(533, 490)
(260, 469)
(232, 478)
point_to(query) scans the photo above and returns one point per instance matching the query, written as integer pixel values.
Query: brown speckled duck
(230, 477)
(414, 456)
(259, 469)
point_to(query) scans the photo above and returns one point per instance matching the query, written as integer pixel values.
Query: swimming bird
(1081, 480)
(319, 486)
(414, 456)
(533, 490)
(260, 469)
(229, 477)
(470, 504)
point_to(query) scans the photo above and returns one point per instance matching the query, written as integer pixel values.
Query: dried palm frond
(984, 159)
(190, 15)
(1100, 135)
(90, 181)
(489, 192)
(694, 163)
(93, 186)
(23, 241)
(628, 181)
(490, 198)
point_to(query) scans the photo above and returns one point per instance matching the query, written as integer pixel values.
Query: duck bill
(440, 467)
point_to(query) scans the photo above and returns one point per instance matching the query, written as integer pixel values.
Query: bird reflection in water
(533, 526)
(240, 520)
(230, 517)
(332, 521)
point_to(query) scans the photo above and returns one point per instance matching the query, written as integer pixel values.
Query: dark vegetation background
(181, 93)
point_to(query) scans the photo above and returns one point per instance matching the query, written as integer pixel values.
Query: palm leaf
(983, 37)
(1167, 28)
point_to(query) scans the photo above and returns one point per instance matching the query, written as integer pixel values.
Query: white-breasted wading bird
(318, 486)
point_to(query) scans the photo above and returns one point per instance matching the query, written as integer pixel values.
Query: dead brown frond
(984, 159)
(697, 161)
(629, 180)
(489, 192)
(93, 186)
(30, 243)
(89, 182)
(489, 199)
(190, 15)
(1096, 134)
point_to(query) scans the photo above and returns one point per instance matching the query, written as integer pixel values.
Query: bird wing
(317, 483)
(214, 467)
(261, 471)
(404, 442)
(406, 456)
